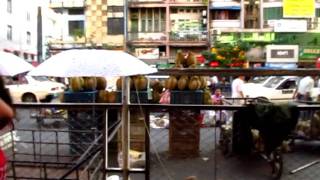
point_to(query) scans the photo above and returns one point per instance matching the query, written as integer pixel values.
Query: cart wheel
(276, 164)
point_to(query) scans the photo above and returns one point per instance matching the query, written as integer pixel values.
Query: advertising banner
(290, 25)
(298, 8)
(147, 53)
(282, 53)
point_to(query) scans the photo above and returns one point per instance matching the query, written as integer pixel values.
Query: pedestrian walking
(237, 89)
(303, 94)
(304, 89)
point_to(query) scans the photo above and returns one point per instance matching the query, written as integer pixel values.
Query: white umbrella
(11, 65)
(106, 63)
(92, 62)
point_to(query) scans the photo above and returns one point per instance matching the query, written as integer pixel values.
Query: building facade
(154, 30)
(18, 28)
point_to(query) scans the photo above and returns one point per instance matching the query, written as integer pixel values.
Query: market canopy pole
(125, 126)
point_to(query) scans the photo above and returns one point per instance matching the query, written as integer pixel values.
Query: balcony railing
(147, 36)
(66, 3)
(146, 1)
(311, 25)
(188, 1)
(225, 23)
(188, 36)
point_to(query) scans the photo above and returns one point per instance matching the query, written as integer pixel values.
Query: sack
(165, 97)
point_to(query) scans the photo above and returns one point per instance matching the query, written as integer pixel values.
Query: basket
(80, 97)
(134, 96)
(186, 97)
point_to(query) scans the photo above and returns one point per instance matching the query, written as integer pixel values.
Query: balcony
(66, 3)
(189, 2)
(145, 3)
(189, 38)
(147, 37)
(225, 23)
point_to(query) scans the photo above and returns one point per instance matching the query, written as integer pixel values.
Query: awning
(225, 7)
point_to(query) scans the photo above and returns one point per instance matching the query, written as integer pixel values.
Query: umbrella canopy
(92, 62)
(11, 65)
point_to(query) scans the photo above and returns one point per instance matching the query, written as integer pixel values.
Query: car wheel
(29, 98)
(263, 99)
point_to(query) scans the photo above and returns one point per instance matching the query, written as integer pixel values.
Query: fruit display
(86, 89)
(190, 87)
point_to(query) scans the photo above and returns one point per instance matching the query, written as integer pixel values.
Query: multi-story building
(88, 24)
(18, 28)
(157, 29)
(268, 22)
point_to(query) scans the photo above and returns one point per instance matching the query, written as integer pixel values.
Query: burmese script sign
(282, 53)
(298, 8)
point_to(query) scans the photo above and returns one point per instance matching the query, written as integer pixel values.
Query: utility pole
(39, 35)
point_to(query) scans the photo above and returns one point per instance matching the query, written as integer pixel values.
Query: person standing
(6, 116)
(304, 89)
(237, 89)
(303, 93)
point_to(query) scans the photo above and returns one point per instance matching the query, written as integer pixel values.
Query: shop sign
(298, 8)
(282, 53)
(147, 53)
(287, 25)
(309, 53)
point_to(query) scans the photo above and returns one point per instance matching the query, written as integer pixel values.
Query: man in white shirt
(304, 89)
(237, 88)
(303, 93)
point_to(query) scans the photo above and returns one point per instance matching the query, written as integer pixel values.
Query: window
(76, 11)
(115, 26)
(25, 56)
(28, 16)
(152, 20)
(28, 38)
(272, 13)
(9, 32)
(9, 6)
(114, 9)
(76, 28)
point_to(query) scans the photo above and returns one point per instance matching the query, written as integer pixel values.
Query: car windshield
(258, 79)
(40, 78)
(273, 82)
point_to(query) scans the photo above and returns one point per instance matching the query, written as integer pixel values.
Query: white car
(33, 89)
(275, 88)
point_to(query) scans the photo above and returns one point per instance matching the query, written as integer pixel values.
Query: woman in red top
(6, 116)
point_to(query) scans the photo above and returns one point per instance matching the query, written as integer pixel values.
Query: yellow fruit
(140, 83)
(76, 83)
(111, 97)
(191, 60)
(180, 60)
(182, 83)
(171, 83)
(203, 82)
(102, 96)
(90, 83)
(194, 83)
(101, 83)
